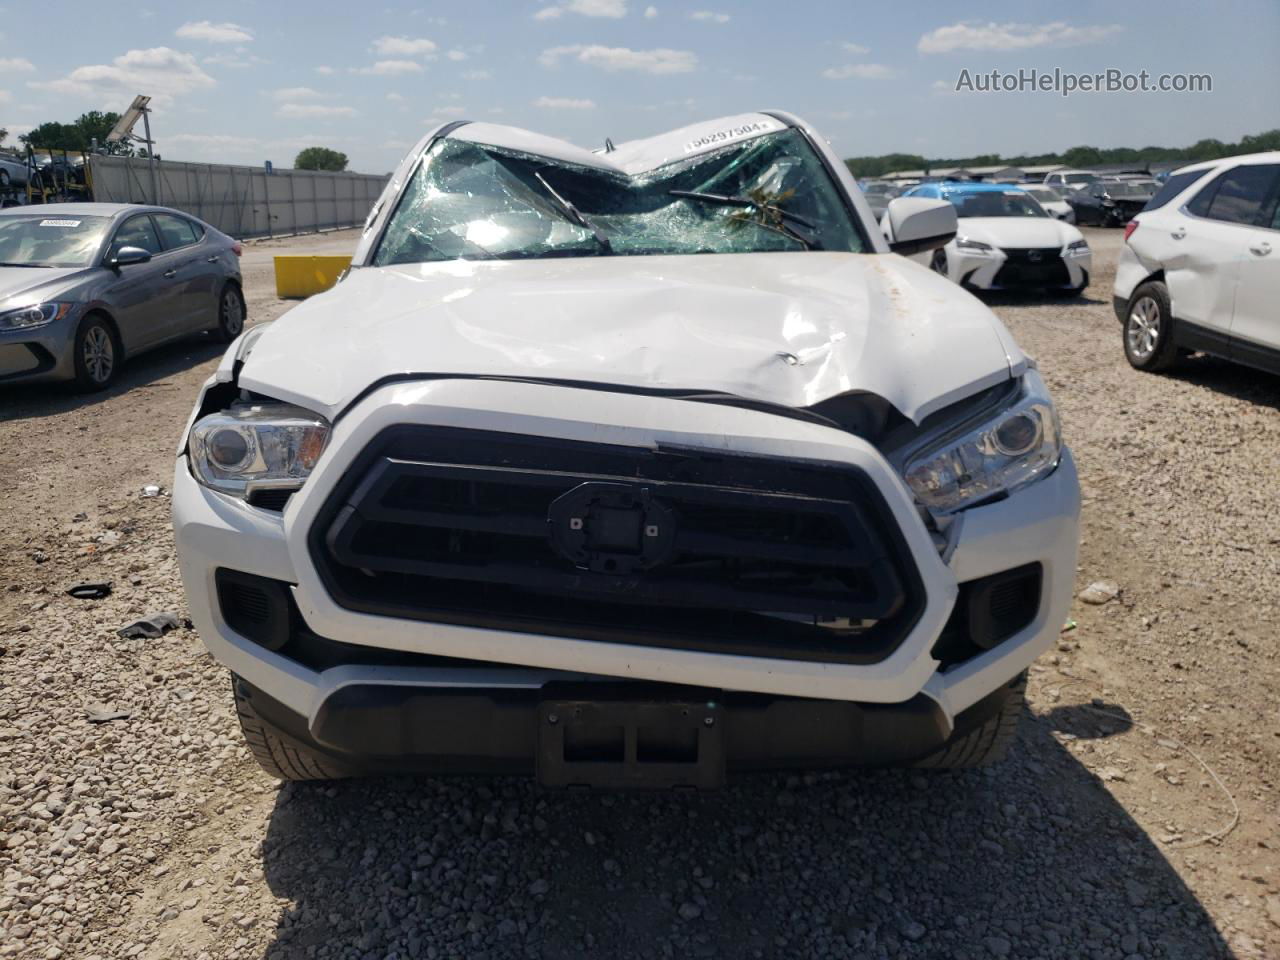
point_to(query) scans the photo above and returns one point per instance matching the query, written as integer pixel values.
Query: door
(1203, 262)
(194, 275)
(1255, 323)
(141, 297)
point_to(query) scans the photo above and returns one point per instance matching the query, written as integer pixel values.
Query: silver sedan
(85, 286)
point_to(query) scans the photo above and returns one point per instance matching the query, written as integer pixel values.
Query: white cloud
(15, 65)
(214, 32)
(236, 61)
(166, 72)
(389, 68)
(856, 49)
(1013, 36)
(395, 97)
(650, 12)
(564, 103)
(403, 46)
(863, 71)
(313, 110)
(613, 9)
(447, 111)
(657, 61)
(457, 55)
(5, 96)
(709, 16)
(294, 93)
(476, 75)
(325, 71)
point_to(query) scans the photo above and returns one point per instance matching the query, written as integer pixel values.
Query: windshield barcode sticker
(732, 133)
(59, 223)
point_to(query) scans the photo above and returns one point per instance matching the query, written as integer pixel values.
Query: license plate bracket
(631, 744)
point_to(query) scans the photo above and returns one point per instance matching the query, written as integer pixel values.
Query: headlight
(973, 246)
(37, 315)
(256, 445)
(1008, 450)
(1077, 248)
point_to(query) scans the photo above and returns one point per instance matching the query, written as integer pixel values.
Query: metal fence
(242, 201)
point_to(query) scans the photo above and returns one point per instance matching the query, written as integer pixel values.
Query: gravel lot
(1106, 834)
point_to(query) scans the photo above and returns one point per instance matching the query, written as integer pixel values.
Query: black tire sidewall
(223, 333)
(1164, 351)
(83, 381)
(939, 260)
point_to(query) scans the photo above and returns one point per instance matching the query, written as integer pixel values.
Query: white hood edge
(783, 328)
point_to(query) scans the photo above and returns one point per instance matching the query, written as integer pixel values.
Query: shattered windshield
(470, 201)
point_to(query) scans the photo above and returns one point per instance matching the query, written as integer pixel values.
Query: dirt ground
(1137, 817)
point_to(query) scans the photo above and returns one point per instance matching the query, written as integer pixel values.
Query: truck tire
(988, 742)
(280, 755)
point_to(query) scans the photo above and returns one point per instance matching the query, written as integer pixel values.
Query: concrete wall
(242, 201)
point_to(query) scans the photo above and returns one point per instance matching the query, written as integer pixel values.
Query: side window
(176, 231)
(1172, 187)
(137, 232)
(1238, 195)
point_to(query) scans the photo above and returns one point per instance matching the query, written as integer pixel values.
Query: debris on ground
(104, 713)
(1100, 592)
(90, 591)
(149, 628)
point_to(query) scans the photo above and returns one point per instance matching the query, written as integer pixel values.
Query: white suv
(628, 468)
(1200, 269)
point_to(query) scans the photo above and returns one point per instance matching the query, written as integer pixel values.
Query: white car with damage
(634, 467)
(1006, 241)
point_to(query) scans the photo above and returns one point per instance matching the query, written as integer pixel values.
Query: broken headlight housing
(256, 446)
(1002, 452)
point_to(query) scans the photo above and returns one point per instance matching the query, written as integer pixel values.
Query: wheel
(987, 743)
(277, 753)
(97, 353)
(1148, 328)
(939, 263)
(231, 313)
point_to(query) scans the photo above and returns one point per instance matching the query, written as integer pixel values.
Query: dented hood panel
(783, 328)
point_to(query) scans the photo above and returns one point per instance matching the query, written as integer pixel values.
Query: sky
(240, 82)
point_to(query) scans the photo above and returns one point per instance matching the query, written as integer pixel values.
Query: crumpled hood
(18, 284)
(783, 328)
(1018, 232)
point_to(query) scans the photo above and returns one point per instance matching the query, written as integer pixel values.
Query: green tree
(1082, 156)
(78, 135)
(320, 158)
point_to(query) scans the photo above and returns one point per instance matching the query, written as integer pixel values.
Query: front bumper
(991, 272)
(41, 353)
(1037, 525)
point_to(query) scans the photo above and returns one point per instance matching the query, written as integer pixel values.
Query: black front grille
(664, 547)
(1032, 267)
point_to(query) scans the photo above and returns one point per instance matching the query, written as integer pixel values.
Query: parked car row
(85, 286)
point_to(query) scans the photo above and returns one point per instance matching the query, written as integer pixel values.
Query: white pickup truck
(633, 467)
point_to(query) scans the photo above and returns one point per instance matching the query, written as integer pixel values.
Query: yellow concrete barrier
(304, 276)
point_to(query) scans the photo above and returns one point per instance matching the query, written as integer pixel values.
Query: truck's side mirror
(918, 224)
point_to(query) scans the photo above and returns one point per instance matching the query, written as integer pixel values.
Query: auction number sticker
(59, 223)
(730, 133)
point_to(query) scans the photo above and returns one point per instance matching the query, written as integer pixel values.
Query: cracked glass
(472, 201)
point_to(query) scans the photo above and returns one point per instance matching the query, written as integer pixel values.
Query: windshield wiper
(574, 214)
(746, 203)
(46, 266)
